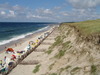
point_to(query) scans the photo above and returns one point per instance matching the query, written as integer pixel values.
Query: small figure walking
(1, 63)
(5, 59)
(15, 44)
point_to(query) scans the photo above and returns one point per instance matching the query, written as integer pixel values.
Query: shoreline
(22, 40)
(24, 47)
(18, 42)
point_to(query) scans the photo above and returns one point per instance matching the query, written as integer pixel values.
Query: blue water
(13, 31)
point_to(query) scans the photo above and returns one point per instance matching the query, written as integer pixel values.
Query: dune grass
(58, 41)
(53, 74)
(36, 68)
(49, 51)
(87, 27)
(51, 66)
(93, 69)
(75, 69)
(66, 44)
(62, 69)
(64, 48)
(60, 54)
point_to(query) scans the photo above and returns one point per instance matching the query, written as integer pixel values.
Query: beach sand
(21, 44)
(38, 56)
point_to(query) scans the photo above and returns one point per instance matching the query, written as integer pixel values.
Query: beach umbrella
(10, 49)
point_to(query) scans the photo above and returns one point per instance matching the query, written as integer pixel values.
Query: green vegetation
(63, 36)
(93, 69)
(75, 69)
(36, 68)
(87, 27)
(60, 54)
(68, 32)
(91, 59)
(50, 67)
(66, 44)
(53, 74)
(49, 51)
(67, 67)
(64, 48)
(62, 69)
(58, 41)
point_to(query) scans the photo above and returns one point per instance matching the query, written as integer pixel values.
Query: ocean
(11, 31)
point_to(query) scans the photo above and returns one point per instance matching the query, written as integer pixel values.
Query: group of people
(8, 62)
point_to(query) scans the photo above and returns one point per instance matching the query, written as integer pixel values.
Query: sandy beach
(21, 44)
(36, 57)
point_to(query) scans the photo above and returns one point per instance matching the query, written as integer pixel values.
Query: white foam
(14, 38)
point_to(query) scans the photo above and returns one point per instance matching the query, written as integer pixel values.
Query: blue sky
(49, 10)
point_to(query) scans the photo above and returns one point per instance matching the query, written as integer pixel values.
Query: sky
(49, 10)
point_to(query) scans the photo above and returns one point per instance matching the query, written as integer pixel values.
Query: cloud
(84, 3)
(64, 13)
(2, 12)
(57, 8)
(11, 13)
(79, 12)
(44, 11)
(34, 16)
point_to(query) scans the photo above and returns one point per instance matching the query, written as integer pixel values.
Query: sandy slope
(80, 57)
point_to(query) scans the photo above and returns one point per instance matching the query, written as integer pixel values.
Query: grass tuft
(61, 70)
(53, 74)
(60, 54)
(66, 44)
(67, 67)
(49, 51)
(36, 68)
(75, 69)
(51, 66)
(93, 69)
(58, 41)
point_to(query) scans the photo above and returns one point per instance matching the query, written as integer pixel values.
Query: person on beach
(5, 47)
(15, 44)
(29, 47)
(5, 59)
(1, 63)
(10, 64)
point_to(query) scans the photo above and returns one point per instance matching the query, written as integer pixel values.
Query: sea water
(11, 31)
